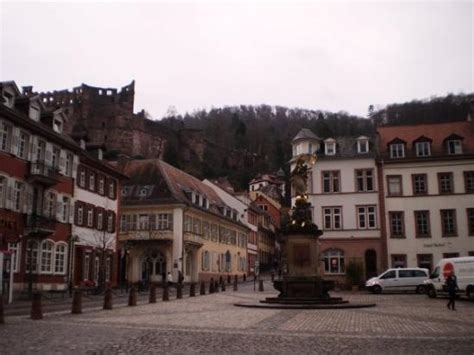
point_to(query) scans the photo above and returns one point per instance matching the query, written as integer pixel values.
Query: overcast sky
(315, 55)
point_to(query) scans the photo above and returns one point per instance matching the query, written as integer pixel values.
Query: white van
(463, 268)
(400, 279)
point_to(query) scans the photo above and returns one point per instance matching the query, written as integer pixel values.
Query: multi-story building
(428, 177)
(40, 198)
(343, 191)
(37, 168)
(173, 222)
(96, 207)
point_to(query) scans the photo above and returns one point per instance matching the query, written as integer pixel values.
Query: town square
(236, 177)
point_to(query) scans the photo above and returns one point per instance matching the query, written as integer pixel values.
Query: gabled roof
(305, 133)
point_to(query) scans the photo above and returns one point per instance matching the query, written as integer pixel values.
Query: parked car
(463, 268)
(400, 279)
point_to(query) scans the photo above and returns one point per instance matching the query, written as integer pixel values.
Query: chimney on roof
(122, 161)
(27, 90)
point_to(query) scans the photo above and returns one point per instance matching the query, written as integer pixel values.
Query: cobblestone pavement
(400, 324)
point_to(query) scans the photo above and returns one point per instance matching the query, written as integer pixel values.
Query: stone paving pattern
(400, 324)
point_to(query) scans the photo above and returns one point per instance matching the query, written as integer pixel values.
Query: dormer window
(397, 148)
(143, 192)
(362, 145)
(423, 149)
(330, 147)
(124, 191)
(454, 146)
(34, 113)
(57, 125)
(9, 99)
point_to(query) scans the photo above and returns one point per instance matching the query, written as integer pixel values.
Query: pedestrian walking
(451, 287)
(170, 279)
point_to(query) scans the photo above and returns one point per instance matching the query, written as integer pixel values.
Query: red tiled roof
(437, 132)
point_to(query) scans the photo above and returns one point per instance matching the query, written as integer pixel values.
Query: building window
(90, 216)
(82, 178)
(425, 261)
(450, 255)
(448, 223)
(40, 151)
(366, 217)
(469, 181)
(445, 183)
(80, 215)
(23, 146)
(331, 181)
(332, 217)
(143, 222)
(50, 206)
(112, 189)
(365, 180)
(60, 259)
(454, 146)
(188, 224)
(110, 222)
(422, 224)
(470, 221)
(101, 186)
(397, 150)
(214, 232)
(5, 136)
(92, 181)
(69, 162)
(330, 147)
(399, 260)
(17, 196)
(100, 220)
(334, 262)
(423, 149)
(86, 267)
(123, 222)
(32, 256)
(205, 230)
(47, 248)
(397, 224)
(14, 248)
(205, 261)
(420, 184)
(362, 146)
(394, 185)
(55, 158)
(165, 221)
(65, 210)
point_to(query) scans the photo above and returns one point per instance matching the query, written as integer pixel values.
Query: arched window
(334, 261)
(228, 262)
(47, 249)
(32, 256)
(60, 258)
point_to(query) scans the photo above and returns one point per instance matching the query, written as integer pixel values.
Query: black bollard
(2, 315)
(235, 283)
(152, 297)
(202, 291)
(211, 286)
(216, 286)
(108, 299)
(76, 302)
(260, 285)
(166, 295)
(179, 290)
(228, 279)
(36, 308)
(132, 297)
(192, 289)
(223, 287)
(245, 277)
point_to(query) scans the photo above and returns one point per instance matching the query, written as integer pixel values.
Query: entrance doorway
(153, 266)
(370, 263)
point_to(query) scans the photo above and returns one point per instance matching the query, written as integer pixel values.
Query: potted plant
(354, 273)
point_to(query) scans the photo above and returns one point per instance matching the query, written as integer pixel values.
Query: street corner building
(56, 194)
(173, 222)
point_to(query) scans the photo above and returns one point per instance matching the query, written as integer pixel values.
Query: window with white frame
(205, 261)
(51, 201)
(362, 145)
(197, 226)
(82, 178)
(165, 221)
(454, 146)
(397, 150)
(14, 248)
(17, 195)
(90, 216)
(40, 151)
(330, 147)
(23, 145)
(112, 189)
(124, 222)
(100, 220)
(47, 249)
(143, 222)
(65, 209)
(365, 180)
(366, 217)
(394, 185)
(188, 224)
(101, 185)
(80, 215)
(334, 262)
(423, 149)
(331, 181)
(55, 157)
(5, 136)
(332, 217)
(60, 258)
(92, 181)
(110, 222)
(32, 256)
(69, 163)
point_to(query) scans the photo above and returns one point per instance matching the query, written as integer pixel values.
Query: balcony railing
(164, 235)
(43, 173)
(39, 226)
(194, 239)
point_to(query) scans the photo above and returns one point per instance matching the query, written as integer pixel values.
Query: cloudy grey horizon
(341, 56)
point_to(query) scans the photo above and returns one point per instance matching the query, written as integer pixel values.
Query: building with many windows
(173, 222)
(343, 190)
(428, 176)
